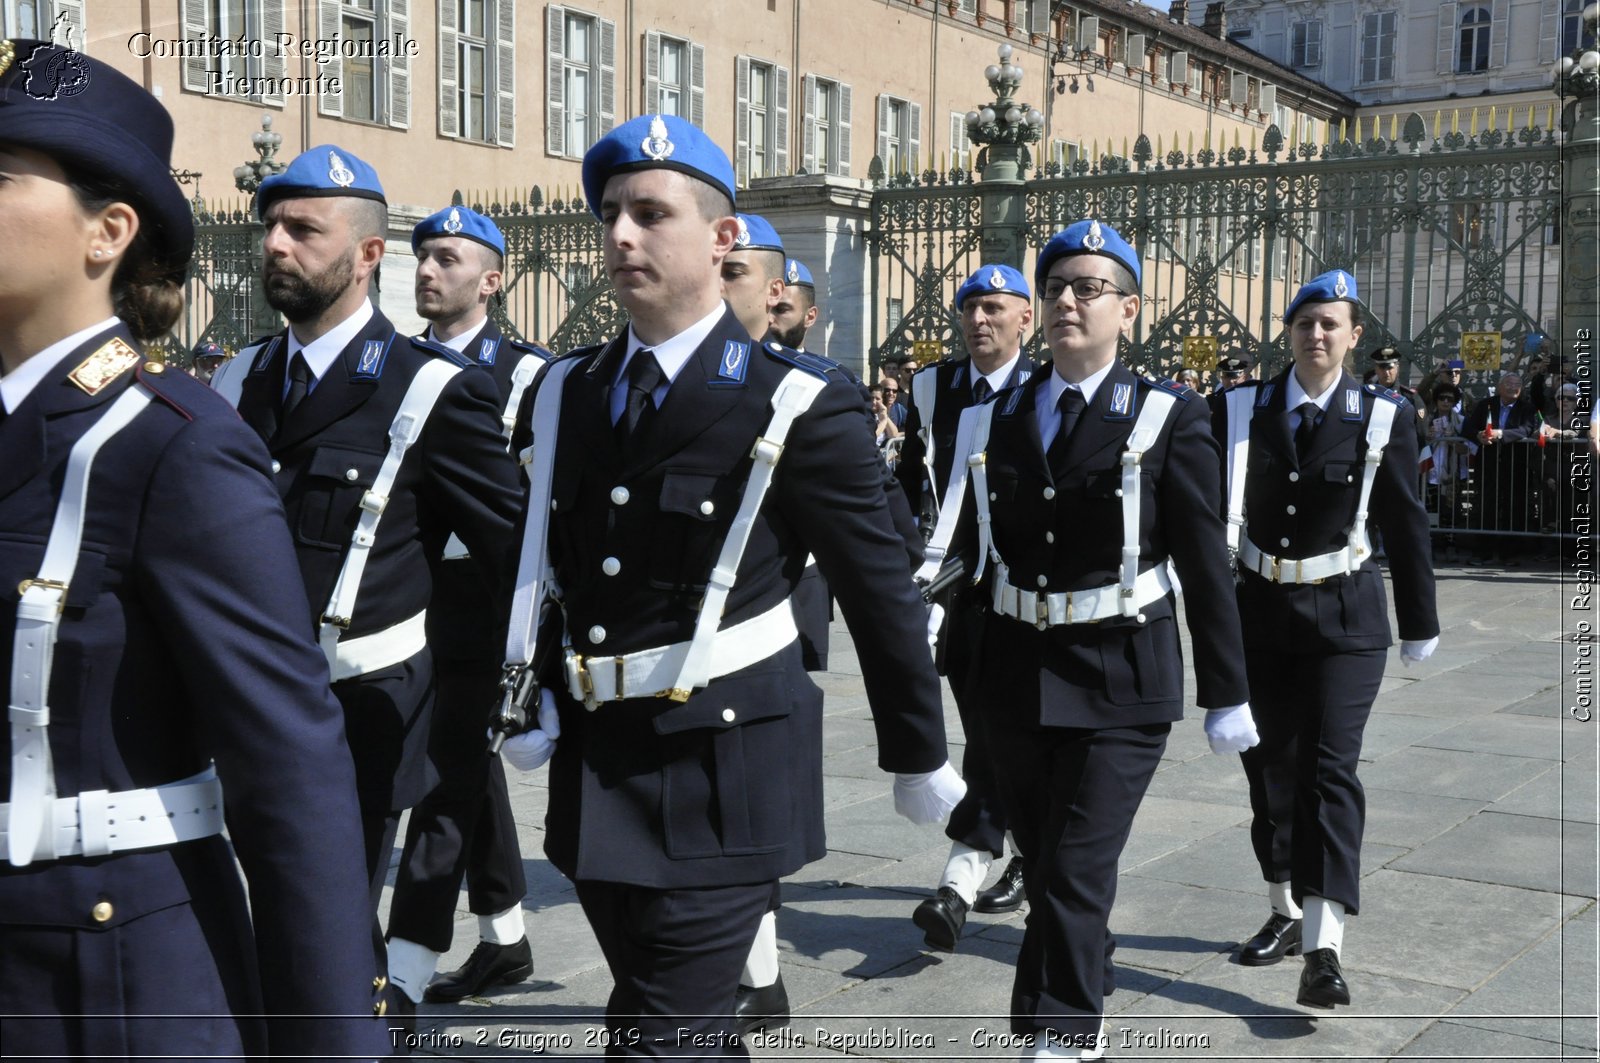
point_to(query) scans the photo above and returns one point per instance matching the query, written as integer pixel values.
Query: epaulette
(814, 364)
(162, 380)
(579, 352)
(258, 351)
(1182, 391)
(1251, 383)
(1387, 393)
(531, 348)
(439, 350)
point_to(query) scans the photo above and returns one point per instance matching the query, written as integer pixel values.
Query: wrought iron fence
(1453, 239)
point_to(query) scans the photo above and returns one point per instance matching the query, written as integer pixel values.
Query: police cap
(1387, 357)
(1237, 363)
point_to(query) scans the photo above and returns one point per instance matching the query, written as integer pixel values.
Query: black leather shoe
(1280, 937)
(941, 918)
(1005, 895)
(489, 965)
(766, 1008)
(1322, 982)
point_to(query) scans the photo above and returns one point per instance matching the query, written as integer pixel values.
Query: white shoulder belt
(925, 394)
(525, 373)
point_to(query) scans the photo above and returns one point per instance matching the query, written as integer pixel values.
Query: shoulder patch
(1266, 394)
(437, 350)
(1182, 391)
(530, 348)
(162, 384)
(733, 365)
(814, 364)
(1387, 393)
(1013, 399)
(262, 351)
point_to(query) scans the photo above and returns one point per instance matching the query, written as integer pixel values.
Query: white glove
(1413, 651)
(531, 749)
(935, 618)
(928, 797)
(1231, 730)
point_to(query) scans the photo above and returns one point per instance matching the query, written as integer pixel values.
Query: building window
(477, 70)
(894, 313)
(1472, 44)
(372, 87)
(1197, 78)
(1572, 35)
(239, 77)
(826, 128)
(358, 29)
(60, 21)
(1305, 44)
(1469, 224)
(1377, 46)
(899, 134)
(960, 142)
(674, 77)
(761, 146)
(580, 80)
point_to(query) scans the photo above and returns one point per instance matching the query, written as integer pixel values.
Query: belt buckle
(1277, 570)
(51, 584)
(585, 680)
(677, 695)
(1041, 611)
(340, 622)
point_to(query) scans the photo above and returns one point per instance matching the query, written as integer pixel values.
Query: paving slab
(1452, 773)
(1567, 791)
(1546, 738)
(1548, 992)
(1407, 820)
(1525, 851)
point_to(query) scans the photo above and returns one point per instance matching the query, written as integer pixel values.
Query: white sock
(965, 870)
(1283, 901)
(1324, 927)
(761, 968)
(502, 928)
(411, 966)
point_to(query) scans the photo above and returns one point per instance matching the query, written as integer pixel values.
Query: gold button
(102, 912)
(154, 367)
(381, 1008)
(379, 982)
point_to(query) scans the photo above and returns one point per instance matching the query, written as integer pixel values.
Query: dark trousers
(1309, 808)
(675, 957)
(464, 827)
(378, 828)
(1071, 795)
(979, 819)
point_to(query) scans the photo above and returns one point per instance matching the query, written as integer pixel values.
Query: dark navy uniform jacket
(457, 478)
(725, 788)
(1067, 529)
(1299, 509)
(953, 380)
(464, 623)
(185, 639)
(1521, 424)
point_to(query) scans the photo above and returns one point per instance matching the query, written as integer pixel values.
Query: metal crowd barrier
(1524, 488)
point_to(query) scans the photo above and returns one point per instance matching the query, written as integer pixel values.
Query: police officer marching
(996, 309)
(464, 826)
(1309, 455)
(1075, 492)
(382, 447)
(796, 309)
(686, 776)
(158, 659)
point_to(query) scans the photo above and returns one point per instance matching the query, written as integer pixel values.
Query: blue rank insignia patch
(370, 365)
(1012, 402)
(487, 350)
(1266, 395)
(264, 359)
(1121, 402)
(735, 363)
(1352, 404)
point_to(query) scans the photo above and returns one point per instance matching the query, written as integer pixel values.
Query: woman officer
(1309, 453)
(152, 638)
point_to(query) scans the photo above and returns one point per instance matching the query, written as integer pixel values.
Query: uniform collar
(458, 343)
(997, 379)
(18, 384)
(1088, 385)
(322, 352)
(1296, 396)
(673, 354)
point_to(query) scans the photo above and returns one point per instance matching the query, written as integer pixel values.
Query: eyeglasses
(1083, 288)
(891, 391)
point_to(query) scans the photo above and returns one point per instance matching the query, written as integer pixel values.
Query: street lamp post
(247, 178)
(1577, 81)
(1004, 128)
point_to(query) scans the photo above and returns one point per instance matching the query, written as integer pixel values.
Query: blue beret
(98, 123)
(459, 221)
(1334, 286)
(1088, 237)
(795, 272)
(994, 278)
(1455, 363)
(652, 142)
(757, 234)
(325, 170)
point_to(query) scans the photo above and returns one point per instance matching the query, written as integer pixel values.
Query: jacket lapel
(586, 396)
(262, 392)
(1098, 428)
(1018, 425)
(1269, 427)
(344, 388)
(1336, 429)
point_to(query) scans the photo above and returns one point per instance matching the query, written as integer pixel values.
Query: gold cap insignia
(111, 360)
(8, 55)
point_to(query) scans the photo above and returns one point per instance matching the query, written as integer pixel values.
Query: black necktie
(644, 376)
(980, 391)
(299, 384)
(1309, 412)
(1071, 404)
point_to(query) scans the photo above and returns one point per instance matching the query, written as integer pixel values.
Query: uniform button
(154, 367)
(1118, 492)
(1283, 542)
(379, 982)
(1049, 537)
(381, 1008)
(708, 507)
(611, 566)
(101, 912)
(1294, 477)
(993, 496)
(1044, 581)
(1049, 493)
(552, 505)
(597, 634)
(277, 466)
(728, 715)
(619, 496)
(1289, 510)
(1349, 479)
(352, 475)
(1141, 618)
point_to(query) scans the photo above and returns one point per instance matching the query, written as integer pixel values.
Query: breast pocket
(336, 478)
(695, 507)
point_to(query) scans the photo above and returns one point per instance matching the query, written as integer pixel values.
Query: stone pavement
(1477, 936)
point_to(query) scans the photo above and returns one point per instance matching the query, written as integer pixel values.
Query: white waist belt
(1076, 607)
(651, 673)
(99, 822)
(1302, 570)
(354, 657)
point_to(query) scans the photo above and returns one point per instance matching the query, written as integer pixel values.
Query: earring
(98, 252)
